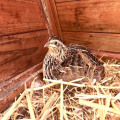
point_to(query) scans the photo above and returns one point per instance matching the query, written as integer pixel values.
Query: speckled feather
(76, 62)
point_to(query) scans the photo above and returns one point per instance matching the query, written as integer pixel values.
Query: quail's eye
(55, 43)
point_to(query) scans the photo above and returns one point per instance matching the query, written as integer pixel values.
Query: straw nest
(70, 101)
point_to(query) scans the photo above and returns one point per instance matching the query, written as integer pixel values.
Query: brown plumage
(70, 62)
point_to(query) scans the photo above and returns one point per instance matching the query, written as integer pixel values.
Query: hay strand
(71, 101)
(12, 109)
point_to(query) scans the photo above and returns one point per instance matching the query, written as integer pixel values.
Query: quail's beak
(47, 44)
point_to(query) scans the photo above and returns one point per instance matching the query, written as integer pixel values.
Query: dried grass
(97, 101)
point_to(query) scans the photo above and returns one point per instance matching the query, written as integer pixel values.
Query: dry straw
(61, 100)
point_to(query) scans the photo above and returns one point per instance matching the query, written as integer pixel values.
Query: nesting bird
(70, 62)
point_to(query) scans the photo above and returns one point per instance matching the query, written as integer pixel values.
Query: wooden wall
(23, 34)
(92, 23)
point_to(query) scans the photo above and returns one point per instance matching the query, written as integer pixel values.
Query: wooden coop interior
(25, 26)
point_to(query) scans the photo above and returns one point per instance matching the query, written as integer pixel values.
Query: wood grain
(90, 15)
(106, 55)
(55, 18)
(65, 0)
(17, 16)
(96, 41)
(20, 52)
(48, 16)
(15, 86)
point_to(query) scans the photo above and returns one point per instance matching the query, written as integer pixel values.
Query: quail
(70, 62)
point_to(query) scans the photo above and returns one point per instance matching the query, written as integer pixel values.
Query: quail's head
(56, 46)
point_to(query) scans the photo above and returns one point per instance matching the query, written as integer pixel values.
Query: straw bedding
(69, 100)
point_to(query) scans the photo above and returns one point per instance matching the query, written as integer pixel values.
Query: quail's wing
(81, 56)
(84, 53)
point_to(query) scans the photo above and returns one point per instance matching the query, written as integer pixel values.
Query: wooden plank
(65, 0)
(51, 17)
(20, 52)
(55, 17)
(90, 15)
(31, 1)
(15, 86)
(48, 17)
(106, 55)
(17, 16)
(96, 41)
